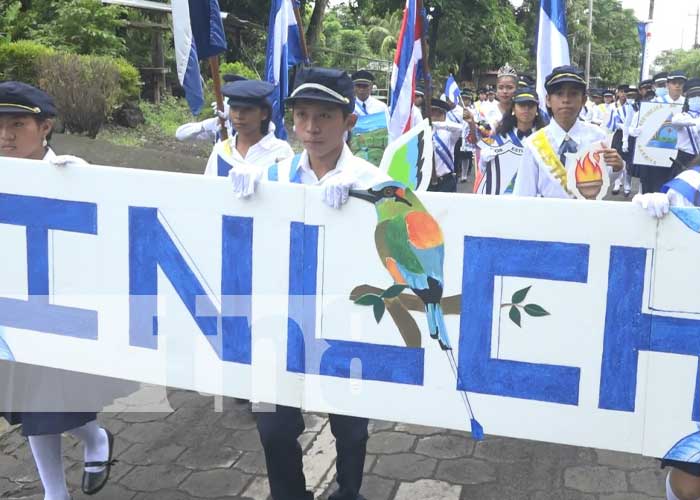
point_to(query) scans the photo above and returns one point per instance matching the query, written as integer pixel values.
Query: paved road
(198, 446)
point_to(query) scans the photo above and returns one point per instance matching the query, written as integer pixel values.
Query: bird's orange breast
(423, 231)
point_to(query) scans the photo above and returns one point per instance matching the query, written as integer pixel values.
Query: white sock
(669, 492)
(49, 462)
(96, 444)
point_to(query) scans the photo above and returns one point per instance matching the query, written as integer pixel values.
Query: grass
(160, 126)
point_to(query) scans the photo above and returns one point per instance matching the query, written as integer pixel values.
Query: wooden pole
(302, 36)
(214, 66)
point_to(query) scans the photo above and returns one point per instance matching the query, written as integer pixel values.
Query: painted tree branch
(450, 305)
(399, 306)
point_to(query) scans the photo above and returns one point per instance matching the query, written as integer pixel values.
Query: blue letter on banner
(306, 354)
(628, 331)
(39, 215)
(484, 259)
(150, 246)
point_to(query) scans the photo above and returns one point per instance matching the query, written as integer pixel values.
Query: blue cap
(526, 94)
(324, 85)
(362, 76)
(525, 80)
(439, 103)
(19, 97)
(565, 74)
(660, 77)
(231, 77)
(692, 86)
(248, 92)
(677, 75)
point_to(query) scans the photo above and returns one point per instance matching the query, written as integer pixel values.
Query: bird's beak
(363, 195)
(403, 200)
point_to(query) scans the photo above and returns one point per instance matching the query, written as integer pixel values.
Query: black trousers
(653, 178)
(445, 184)
(279, 432)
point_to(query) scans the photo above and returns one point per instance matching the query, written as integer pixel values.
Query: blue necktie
(364, 107)
(568, 146)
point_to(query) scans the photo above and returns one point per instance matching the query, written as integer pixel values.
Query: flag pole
(302, 35)
(214, 66)
(426, 65)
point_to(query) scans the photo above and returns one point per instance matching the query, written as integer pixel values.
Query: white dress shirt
(449, 133)
(363, 172)
(371, 106)
(268, 151)
(688, 132)
(534, 178)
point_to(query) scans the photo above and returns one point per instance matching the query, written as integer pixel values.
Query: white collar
(343, 160)
(559, 134)
(267, 142)
(49, 154)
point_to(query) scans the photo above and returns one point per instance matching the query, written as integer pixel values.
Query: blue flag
(283, 51)
(199, 34)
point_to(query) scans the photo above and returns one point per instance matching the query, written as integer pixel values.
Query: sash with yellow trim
(542, 144)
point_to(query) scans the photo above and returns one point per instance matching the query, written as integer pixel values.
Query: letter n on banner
(151, 246)
(484, 259)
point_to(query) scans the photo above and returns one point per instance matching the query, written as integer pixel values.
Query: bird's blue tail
(436, 324)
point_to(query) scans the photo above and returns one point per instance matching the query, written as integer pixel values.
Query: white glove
(487, 154)
(635, 131)
(682, 120)
(336, 190)
(656, 204)
(625, 145)
(245, 178)
(66, 160)
(212, 125)
(221, 114)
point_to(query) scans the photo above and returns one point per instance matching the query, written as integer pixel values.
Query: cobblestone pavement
(209, 448)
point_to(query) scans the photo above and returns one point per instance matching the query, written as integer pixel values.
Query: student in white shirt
(365, 103)
(322, 103)
(543, 170)
(669, 90)
(250, 113)
(445, 136)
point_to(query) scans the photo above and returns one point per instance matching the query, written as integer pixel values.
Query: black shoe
(615, 191)
(95, 481)
(626, 194)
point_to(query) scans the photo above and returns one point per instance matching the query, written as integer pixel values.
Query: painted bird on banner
(410, 244)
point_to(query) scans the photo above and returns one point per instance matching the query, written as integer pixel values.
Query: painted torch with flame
(589, 176)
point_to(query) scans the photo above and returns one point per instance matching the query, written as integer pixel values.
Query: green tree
(679, 59)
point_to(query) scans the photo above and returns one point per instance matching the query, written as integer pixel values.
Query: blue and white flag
(552, 46)
(452, 90)
(407, 69)
(284, 50)
(644, 30)
(199, 34)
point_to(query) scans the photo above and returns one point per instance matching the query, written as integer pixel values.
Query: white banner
(568, 322)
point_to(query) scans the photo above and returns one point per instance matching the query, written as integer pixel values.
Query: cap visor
(315, 95)
(19, 109)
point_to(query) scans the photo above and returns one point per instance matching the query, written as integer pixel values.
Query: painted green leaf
(520, 295)
(535, 310)
(514, 315)
(393, 291)
(379, 310)
(368, 299)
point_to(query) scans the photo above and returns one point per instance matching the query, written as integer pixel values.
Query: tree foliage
(615, 51)
(679, 59)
